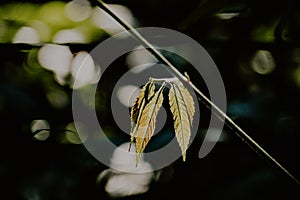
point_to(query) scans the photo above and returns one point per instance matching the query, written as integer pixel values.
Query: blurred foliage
(47, 19)
(256, 47)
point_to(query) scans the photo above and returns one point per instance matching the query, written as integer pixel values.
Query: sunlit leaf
(144, 96)
(146, 124)
(183, 109)
(188, 100)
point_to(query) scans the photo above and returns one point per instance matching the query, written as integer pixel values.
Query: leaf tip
(138, 157)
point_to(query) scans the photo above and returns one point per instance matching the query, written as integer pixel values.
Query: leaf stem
(167, 80)
(215, 109)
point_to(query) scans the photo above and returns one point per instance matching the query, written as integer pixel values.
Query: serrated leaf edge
(151, 110)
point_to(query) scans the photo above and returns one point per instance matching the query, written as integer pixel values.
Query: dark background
(266, 106)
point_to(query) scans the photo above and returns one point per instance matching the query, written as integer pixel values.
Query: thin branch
(168, 80)
(215, 109)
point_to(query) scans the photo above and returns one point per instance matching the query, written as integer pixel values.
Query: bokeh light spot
(26, 35)
(53, 13)
(126, 93)
(43, 30)
(140, 60)
(107, 23)
(58, 98)
(56, 58)
(122, 184)
(84, 71)
(78, 10)
(227, 16)
(263, 62)
(41, 127)
(71, 135)
(69, 36)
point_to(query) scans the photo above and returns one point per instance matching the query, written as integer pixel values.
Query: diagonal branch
(214, 108)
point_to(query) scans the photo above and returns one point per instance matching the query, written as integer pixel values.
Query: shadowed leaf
(144, 97)
(146, 126)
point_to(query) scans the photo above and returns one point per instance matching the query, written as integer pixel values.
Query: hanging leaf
(146, 124)
(183, 109)
(144, 97)
(145, 109)
(188, 100)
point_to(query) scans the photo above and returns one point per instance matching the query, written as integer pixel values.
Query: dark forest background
(255, 45)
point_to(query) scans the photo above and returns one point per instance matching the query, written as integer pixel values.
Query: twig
(216, 110)
(167, 80)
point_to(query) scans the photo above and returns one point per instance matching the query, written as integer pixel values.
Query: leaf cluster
(145, 110)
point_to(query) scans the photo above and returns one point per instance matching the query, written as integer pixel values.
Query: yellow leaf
(188, 100)
(146, 126)
(183, 109)
(145, 95)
